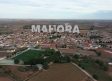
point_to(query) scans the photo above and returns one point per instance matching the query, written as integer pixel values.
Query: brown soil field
(5, 79)
(77, 51)
(60, 72)
(19, 75)
(106, 60)
(105, 52)
(110, 71)
(2, 54)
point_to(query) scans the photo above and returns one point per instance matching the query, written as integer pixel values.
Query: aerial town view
(63, 40)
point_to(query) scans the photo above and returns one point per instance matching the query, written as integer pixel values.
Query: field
(15, 73)
(5, 79)
(77, 51)
(105, 52)
(60, 72)
(3, 54)
(92, 68)
(110, 71)
(104, 59)
(25, 56)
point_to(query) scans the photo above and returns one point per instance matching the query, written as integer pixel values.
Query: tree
(58, 53)
(16, 61)
(7, 72)
(105, 68)
(95, 76)
(97, 61)
(32, 61)
(7, 56)
(76, 56)
(45, 65)
(74, 60)
(99, 53)
(26, 62)
(36, 47)
(68, 59)
(101, 63)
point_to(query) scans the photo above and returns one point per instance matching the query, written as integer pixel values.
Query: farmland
(15, 74)
(92, 68)
(104, 59)
(5, 79)
(60, 72)
(77, 51)
(110, 71)
(105, 52)
(25, 56)
(3, 54)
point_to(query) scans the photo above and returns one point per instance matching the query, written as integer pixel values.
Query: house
(52, 45)
(39, 66)
(87, 46)
(110, 63)
(11, 50)
(109, 45)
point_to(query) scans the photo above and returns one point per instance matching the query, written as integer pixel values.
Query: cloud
(46, 7)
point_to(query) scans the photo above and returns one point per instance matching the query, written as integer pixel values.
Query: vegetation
(46, 65)
(95, 76)
(22, 69)
(63, 46)
(16, 61)
(1, 66)
(101, 63)
(98, 53)
(36, 47)
(95, 37)
(7, 72)
(54, 37)
(76, 56)
(7, 56)
(27, 27)
(91, 67)
(28, 55)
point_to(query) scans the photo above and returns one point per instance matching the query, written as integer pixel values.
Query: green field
(92, 68)
(25, 56)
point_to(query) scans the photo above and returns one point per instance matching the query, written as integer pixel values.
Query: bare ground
(60, 72)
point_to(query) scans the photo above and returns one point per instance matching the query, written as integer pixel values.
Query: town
(32, 54)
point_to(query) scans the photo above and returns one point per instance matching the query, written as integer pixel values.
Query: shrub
(74, 60)
(7, 72)
(45, 65)
(101, 63)
(79, 65)
(68, 59)
(82, 67)
(7, 56)
(95, 76)
(76, 56)
(99, 53)
(97, 61)
(105, 68)
(23, 69)
(16, 61)
(26, 62)
(1, 66)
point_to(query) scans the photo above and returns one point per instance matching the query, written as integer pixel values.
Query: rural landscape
(55, 56)
(55, 40)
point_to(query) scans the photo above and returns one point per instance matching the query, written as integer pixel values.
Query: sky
(56, 9)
